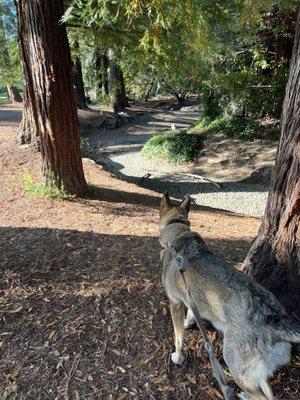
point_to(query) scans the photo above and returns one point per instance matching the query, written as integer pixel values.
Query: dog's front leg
(177, 313)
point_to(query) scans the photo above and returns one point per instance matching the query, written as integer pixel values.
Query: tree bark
(47, 61)
(79, 86)
(116, 84)
(13, 95)
(274, 257)
(105, 90)
(101, 65)
(149, 91)
(27, 129)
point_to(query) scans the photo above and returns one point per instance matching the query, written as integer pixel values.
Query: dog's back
(227, 295)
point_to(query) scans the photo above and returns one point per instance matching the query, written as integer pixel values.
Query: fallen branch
(202, 177)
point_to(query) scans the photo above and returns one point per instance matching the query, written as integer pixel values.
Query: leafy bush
(239, 127)
(210, 104)
(174, 147)
(244, 93)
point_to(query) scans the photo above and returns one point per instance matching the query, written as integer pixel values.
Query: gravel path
(119, 151)
(238, 197)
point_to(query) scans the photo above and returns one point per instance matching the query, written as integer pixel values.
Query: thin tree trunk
(149, 91)
(48, 69)
(13, 95)
(274, 257)
(104, 68)
(180, 99)
(101, 66)
(122, 94)
(116, 84)
(79, 86)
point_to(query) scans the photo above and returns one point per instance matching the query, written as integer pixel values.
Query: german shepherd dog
(257, 330)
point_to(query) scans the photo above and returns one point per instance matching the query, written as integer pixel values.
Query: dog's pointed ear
(185, 205)
(165, 202)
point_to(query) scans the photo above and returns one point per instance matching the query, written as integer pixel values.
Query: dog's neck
(172, 229)
(178, 221)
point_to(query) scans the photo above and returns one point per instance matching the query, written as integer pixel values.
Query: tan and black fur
(257, 330)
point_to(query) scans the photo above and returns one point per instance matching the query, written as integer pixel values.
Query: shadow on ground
(10, 116)
(139, 200)
(84, 315)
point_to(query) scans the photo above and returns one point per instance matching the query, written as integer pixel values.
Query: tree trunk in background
(278, 37)
(13, 95)
(274, 257)
(47, 61)
(101, 65)
(284, 41)
(122, 95)
(116, 84)
(149, 91)
(105, 90)
(79, 86)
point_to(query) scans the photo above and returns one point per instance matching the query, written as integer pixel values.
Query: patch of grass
(84, 145)
(174, 147)
(12, 182)
(238, 127)
(51, 190)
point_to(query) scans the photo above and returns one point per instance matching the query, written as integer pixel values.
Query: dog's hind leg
(254, 394)
(189, 319)
(248, 369)
(177, 313)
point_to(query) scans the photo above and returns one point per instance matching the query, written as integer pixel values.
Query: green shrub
(238, 127)
(174, 147)
(51, 190)
(210, 104)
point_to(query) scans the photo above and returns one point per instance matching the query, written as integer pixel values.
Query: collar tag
(181, 263)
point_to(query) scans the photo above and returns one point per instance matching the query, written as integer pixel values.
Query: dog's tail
(289, 331)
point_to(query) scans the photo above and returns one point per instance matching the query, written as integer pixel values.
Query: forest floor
(83, 312)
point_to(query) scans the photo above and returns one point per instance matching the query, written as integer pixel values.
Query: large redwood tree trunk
(49, 78)
(274, 257)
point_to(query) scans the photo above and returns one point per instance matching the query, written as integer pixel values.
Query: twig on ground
(64, 390)
(202, 177)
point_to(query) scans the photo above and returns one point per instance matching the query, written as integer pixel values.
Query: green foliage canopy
(10, 64)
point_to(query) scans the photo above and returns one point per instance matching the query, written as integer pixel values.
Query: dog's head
(169, 212)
